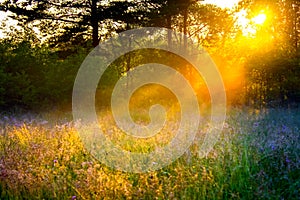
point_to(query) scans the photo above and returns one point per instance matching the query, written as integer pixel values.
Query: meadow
(257, 157)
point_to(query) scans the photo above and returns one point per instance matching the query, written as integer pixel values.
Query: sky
(223, 3)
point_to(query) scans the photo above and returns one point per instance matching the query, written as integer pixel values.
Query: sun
(249, 26)
(259, 19)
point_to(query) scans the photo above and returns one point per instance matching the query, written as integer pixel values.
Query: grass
(257, 157)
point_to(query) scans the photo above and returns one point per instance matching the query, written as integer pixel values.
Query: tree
(284, 20)
(76, 21)
(273, 71)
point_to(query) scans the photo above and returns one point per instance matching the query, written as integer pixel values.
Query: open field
(257, 157)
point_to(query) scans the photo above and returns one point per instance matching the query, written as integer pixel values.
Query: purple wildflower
(273, 147)
(43, 122)
(256, 124)
(261, 149)
(6, 118)
(284, 129)
(73, 197)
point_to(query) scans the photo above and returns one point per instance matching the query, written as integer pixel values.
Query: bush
(34, 77)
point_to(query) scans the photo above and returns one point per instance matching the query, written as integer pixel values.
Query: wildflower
(97, 166)
(273, 147)
(86, 164)
(225, 125)
(261, 149)
(15, 122)
(284, 129)
(256, 124)
(43, 122)
(73, 197)
(6, 118)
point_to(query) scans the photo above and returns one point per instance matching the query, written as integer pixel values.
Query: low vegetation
(257, 157)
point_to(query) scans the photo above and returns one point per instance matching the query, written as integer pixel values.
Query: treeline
(37, 70)
(40, 78)
(273, 80)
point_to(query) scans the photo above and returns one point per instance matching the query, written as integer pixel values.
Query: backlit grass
(257, 157)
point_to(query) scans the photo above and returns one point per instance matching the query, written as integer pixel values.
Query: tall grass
(257, 157)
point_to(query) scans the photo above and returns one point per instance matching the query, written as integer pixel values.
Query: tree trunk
(185, 17)
(169, 24)
(94, 22)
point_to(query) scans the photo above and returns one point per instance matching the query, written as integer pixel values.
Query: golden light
(223, 3)
(259, 19)
(244, 23)
(7, 23)
(241, 18)
(249, 26)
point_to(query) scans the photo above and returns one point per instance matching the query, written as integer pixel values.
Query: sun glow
(249, 26)
(259, 19)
